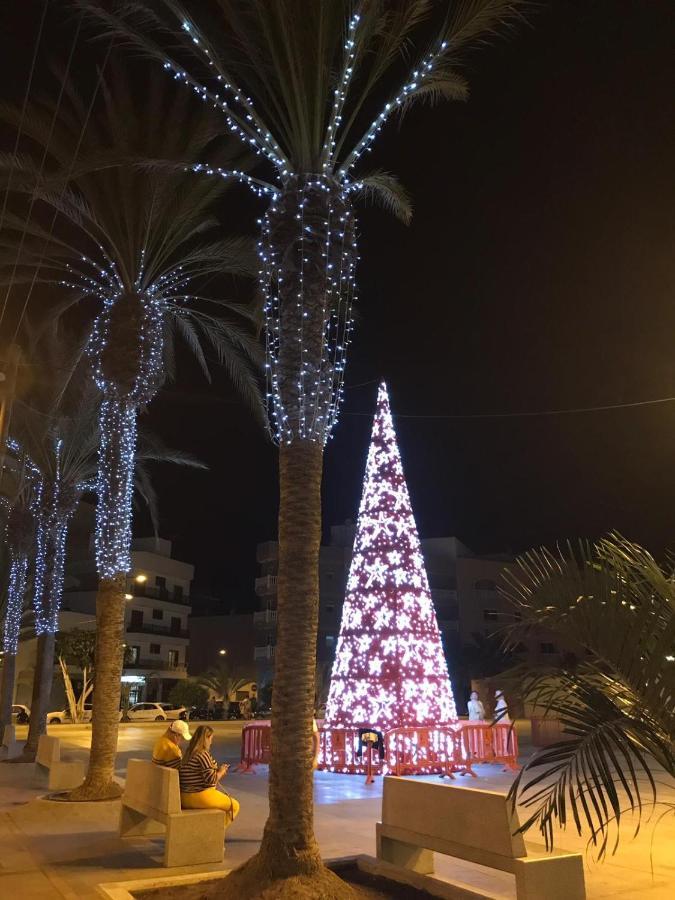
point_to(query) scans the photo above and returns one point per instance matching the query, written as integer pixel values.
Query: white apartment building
(156, 622)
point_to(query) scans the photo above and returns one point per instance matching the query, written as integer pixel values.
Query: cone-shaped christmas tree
(389, 670)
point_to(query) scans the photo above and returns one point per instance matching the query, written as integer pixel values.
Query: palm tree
(305, 85)
(54, 437)
(19, 541)
(615, 696)
(148, 249)
(222, 682)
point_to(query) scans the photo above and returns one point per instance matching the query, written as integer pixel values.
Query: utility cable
(526, 414)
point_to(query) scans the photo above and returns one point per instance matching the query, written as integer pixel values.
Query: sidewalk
(57, 850)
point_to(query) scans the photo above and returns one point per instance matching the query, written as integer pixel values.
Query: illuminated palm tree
(147, 248)
(308, 86)
(54, 440)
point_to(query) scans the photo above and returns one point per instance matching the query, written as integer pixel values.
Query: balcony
(157, 593)
(157, 665)
(266, 652)
(267, 552)
(265, 618)
(266, 584)
(164, 630)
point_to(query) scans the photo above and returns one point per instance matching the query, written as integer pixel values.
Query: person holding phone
(200, 775)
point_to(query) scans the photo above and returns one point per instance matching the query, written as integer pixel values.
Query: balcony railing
(157, 593)
(148, 628)
(155, 665)
(266, 584)
(265, 617)
(266, 652)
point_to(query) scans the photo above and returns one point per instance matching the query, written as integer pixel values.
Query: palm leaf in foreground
(615, 701)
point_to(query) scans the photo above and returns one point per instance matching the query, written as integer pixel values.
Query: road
(137, 738)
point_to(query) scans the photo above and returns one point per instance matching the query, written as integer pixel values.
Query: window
(160, 582)
(175, 624)
(330, 609)
(173, 659)
(547, 647)
(178, 593)
(133, 655)
(330, 640)
(157, 614)
(136, 620)
(490, 615)
(154, 648)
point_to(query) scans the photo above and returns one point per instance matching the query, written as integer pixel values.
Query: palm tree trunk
(42, 690)
(99, 783)
(289, 841)
(7, 689)
(289, 849)
(16, 589)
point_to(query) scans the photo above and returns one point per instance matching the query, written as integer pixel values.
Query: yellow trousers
(211, 798)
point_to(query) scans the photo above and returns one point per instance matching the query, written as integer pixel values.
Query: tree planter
(361, 881)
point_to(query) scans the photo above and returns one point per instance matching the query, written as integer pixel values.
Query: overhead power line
(525, 414)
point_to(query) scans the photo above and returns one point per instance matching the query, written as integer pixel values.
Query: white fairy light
(16, 589)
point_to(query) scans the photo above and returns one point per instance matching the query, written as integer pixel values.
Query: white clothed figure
(475, 708)
(501, 707)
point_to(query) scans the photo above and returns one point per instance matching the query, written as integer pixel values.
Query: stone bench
(420, 818)
(62, 775)
(151, 806)
(10, 745)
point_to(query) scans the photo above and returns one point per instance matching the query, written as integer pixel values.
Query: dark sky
(538, 274)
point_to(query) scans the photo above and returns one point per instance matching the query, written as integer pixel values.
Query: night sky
(538, 274)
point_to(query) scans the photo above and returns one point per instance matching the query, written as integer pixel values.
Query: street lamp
(141, 579)
(128, 596)
(223, 652)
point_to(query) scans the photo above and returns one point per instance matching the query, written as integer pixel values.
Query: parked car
(62, 716)
(20, 714)
(147, 712)
(174, 712)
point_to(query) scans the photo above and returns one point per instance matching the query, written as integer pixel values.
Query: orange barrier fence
(256, 744)
(417, 751)
(444, 750)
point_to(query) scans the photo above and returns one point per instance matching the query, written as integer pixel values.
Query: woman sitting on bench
(199, 776)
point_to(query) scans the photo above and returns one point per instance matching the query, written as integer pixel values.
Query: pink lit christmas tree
(389, 669)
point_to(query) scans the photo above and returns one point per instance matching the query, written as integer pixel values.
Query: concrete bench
(420, 818)
(10, 745)
(151, 805)
(62, 775)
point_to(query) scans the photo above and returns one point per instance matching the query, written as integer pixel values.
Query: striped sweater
(198, 773)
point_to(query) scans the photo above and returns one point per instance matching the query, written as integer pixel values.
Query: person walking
(200, 774)
(167, 751)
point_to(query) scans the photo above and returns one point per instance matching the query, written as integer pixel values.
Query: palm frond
(387, 191)
(615, 698)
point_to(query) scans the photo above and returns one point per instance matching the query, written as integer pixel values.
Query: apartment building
(156, 621)
(463, 587)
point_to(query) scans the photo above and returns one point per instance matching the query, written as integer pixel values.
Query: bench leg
(553, 877)
(406, 856)
(135, 824)
(195, 839)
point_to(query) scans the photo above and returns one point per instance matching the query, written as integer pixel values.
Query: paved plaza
(59, 850)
